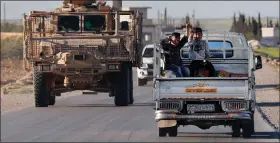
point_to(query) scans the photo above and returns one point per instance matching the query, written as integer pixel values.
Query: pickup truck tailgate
(201, 88)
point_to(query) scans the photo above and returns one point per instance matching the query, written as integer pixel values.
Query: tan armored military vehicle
(82, 45)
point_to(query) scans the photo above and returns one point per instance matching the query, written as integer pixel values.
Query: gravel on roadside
(267, 94)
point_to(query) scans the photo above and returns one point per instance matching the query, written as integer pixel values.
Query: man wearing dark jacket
(172, 47)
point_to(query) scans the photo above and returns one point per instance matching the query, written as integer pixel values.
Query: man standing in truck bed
(199, 52)
(172, 47)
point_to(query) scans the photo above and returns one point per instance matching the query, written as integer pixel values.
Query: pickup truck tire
(248, 129)
(162, 132)
(173, 131)
(130, 83)
(121, 86)
(142, 82)
(40, 90)
(236, 129)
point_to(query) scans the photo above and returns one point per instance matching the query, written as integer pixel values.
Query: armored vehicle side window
(94, 22)
(68, 23)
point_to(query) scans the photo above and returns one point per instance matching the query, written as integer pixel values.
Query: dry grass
(12, 69)
(5, 35)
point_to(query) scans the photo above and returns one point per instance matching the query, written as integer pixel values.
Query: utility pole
(4, 12)
(193, 17)
(158, 17)
(165, 16)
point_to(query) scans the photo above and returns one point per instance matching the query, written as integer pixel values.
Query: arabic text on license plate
(207, 90)
(200, 107)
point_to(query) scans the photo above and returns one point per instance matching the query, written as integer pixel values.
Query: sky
(203, 9)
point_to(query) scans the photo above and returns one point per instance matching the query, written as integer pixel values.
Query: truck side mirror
(258, 62)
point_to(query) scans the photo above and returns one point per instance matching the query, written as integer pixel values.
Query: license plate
(200, 107)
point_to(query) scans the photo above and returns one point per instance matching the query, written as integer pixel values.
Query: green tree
(233, 25)
(270, 23)
(259, 25)
(254, 27)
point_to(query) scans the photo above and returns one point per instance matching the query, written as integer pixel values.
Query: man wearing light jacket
(199, 52)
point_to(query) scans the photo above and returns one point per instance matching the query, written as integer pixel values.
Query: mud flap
(166, 123)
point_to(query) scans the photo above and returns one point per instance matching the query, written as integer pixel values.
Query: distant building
(270, 32)
(270, 37)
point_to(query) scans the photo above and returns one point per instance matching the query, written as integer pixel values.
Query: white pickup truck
(228, 99)
(145, 72)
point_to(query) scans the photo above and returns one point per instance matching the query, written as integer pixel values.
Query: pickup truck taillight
(235, 105)
(170, 105)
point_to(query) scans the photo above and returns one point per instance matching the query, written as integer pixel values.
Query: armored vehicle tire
(51, 99)
(236, 129)
(121, 86)
(130, 83)
(40, 90)
(58, 94)
(142, 82)
(162, 132)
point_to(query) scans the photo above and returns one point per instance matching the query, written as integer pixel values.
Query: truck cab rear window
(94, 22)
(68, 23)
(216, 53)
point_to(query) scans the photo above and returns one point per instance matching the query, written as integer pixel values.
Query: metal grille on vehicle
(83, 70)
(169, 105)
(234, 105)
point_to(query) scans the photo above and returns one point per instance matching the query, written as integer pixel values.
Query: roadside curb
(266, 119)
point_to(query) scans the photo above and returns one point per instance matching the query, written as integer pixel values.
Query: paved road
(93, 118)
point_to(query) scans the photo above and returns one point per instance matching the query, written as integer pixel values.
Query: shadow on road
(268, 104)
(113, 105)
(256, 135)
(267, 86)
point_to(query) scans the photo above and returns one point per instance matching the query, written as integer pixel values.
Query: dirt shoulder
(268, 103)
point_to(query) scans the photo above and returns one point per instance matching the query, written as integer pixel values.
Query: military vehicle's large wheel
(236, 129)
(142, 82)
(121, 86)
(51, 99)
(40, 90)
(130, 85)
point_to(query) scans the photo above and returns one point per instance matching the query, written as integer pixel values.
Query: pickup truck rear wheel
(142, 82)
(162, 132)
(173, 131)
(248, 129)
(236, 129)
(121, 86)
(40, 90)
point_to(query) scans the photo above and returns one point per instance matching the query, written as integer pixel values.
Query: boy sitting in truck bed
(199, 53)
(172, 47)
